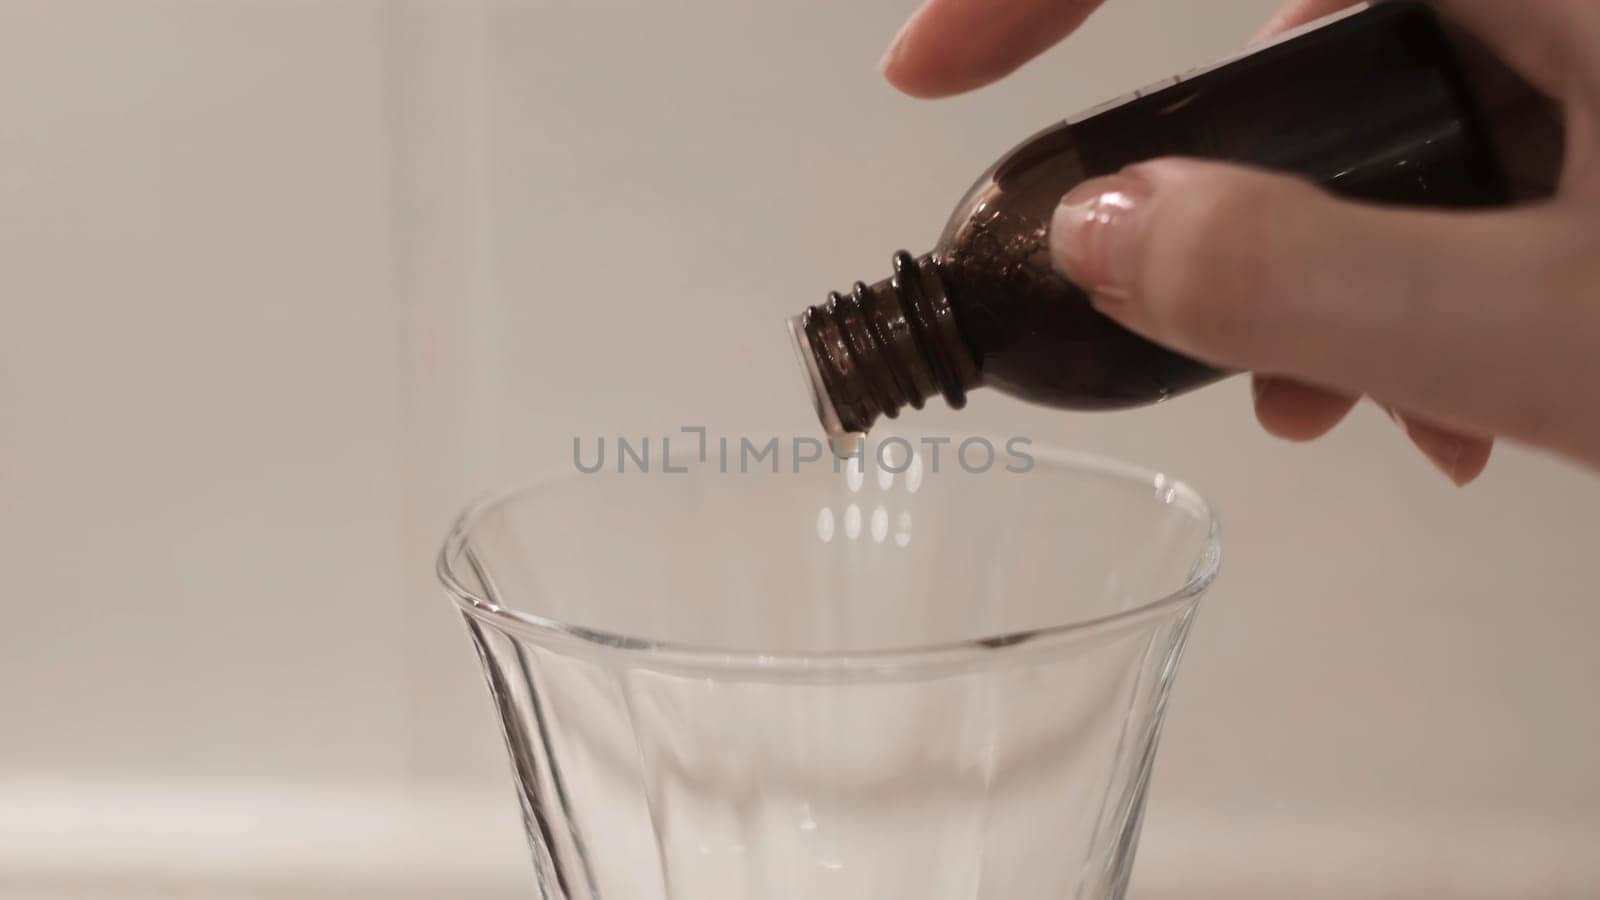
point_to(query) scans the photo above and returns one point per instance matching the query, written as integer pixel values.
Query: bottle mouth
(841, 440)
(879, 348)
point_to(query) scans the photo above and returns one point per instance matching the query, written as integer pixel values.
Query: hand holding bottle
(1474, 324)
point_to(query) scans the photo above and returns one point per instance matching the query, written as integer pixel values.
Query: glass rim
(685, 656)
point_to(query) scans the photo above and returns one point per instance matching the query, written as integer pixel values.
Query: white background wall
(284, 283)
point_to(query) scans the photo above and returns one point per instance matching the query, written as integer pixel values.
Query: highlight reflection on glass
(825, 525)
(902, 529)
(878, 522)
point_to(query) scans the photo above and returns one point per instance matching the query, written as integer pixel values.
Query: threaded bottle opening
(880, 348)
(841, 441)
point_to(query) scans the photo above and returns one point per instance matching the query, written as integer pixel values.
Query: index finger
(951, 46)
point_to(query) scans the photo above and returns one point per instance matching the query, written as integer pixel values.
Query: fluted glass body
(917, 685)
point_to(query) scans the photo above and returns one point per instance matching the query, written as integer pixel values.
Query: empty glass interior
(809, 560)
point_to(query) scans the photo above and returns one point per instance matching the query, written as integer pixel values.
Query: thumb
(1456, 315)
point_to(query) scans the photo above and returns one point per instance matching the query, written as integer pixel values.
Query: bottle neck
(883, 347)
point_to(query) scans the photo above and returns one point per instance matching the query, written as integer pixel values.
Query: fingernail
(897, 43)
(1269, 30)
(1094, 233)
(1110, 304)
(1444, 450)
(1446, 455)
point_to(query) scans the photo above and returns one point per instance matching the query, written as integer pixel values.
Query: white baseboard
(241, 840)
(1393, 856)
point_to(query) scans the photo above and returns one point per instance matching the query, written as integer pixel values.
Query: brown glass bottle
(1372, 105)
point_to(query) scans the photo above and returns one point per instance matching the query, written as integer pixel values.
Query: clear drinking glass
(857, 685)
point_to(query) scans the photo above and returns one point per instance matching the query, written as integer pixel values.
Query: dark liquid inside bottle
(1373, 106)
